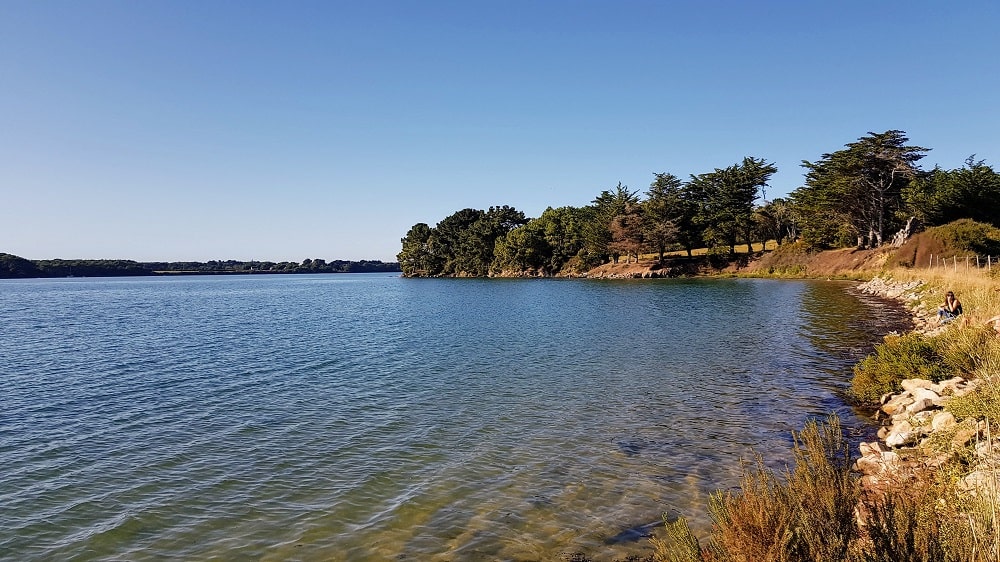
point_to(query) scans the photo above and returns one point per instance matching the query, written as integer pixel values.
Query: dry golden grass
(805, 514)
(977, 289)
(740, 249)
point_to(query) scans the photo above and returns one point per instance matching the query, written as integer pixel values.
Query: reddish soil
(786, 261)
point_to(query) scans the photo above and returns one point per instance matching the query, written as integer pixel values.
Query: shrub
(719, 256)
(896, 358)
(678, 543)
(902, 525)
(969, 235)
(807, 515)
(984, 403)
(969, 351)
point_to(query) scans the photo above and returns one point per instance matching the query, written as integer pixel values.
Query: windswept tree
(522, 250)
(690, 231)
(451, 243)
(663, 212)
(476, 246)
(942, 196)
(462, 243)
(627, 235)
(858, 189)
(727, 199)
(606, 206)
(774, 220)
(564, 229)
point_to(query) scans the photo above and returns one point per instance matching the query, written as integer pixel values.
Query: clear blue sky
(174, 130)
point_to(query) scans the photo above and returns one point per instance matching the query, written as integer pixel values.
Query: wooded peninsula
(868, 194)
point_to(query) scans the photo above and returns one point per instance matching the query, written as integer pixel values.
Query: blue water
(368, 417)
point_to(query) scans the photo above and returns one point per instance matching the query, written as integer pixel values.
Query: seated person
(950, 309)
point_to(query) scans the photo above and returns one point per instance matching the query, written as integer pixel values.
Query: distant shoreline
(15, 267)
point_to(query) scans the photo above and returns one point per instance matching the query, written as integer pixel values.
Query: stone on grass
(967, 431)
(943, 420)
(982, 483)
(913, 384)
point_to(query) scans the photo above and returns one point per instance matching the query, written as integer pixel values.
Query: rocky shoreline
(917, 434)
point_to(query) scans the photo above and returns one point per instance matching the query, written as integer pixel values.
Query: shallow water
(368, 417)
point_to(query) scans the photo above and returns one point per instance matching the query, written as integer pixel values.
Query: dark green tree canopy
(857, 191)
(942, 196)
(859, 195)
(727, 197)
(16, 267)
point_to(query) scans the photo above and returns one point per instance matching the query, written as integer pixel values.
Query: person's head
(949, 296)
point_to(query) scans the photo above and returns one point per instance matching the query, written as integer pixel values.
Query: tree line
(14, 267)
(860, 195)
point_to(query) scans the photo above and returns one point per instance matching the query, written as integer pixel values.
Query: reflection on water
(366, 417)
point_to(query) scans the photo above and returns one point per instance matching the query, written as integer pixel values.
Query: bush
(678, 543)
(807, 515)
(719, 256)
(969, 235)
(818, 512)
(969, 351)
(895, 359)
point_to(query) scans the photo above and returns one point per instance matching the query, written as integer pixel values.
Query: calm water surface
(368, 417)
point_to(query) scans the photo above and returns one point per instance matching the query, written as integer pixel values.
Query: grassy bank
(941, 506)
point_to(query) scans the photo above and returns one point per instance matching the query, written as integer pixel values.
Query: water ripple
(369, 417)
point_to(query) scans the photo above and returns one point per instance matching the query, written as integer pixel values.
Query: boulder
(983, 482)
(876, 459)
(969, 387)
(923, 399)
(913, 384)
(948, 387)
(967, 431)
(877, 464)
(897, 404)
(921, 421)
(872, 448)
(901, 434)
(943, 421)
(989, 451)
